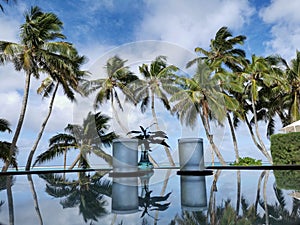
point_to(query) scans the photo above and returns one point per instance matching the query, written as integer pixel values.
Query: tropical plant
(89, 138)
(145, 139)
(222, 51)
(222, 56)
(118, 76)
(4, 125)
(5, 146)
(259, 76)
(292, 98)
(157, 81)
(200, 96)
(68, 75)
(37, 51)
(86, 193)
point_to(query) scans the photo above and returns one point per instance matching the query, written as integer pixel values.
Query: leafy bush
(287, 179)
(285, 148)
(247, 161)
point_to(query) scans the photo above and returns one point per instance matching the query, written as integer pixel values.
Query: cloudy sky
(139, 31)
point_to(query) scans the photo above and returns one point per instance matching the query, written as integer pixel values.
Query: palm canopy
(223, 51)
(118, 76)
(293, 96)
(199, 94)
(4, 125)
(157, 81)
(91, 137)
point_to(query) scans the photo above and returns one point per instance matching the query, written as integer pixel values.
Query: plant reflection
(86, 193)
(152, 203)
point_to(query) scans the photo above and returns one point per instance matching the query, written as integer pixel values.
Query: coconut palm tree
(118, 76)
(91, 137)
(200, 96)
(221, 56)
(223, 52)
(292, 98)
(157, 81)
(259, 76)
(68, 75)
(36, 51)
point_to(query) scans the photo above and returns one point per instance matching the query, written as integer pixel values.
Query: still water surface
(159, 197)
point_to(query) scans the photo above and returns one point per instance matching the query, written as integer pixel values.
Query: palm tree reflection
(86, 193)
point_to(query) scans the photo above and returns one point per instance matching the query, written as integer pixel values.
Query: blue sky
(101, 28)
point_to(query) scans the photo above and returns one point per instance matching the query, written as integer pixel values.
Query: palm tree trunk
(238, 195)
(167, 150)
(35, 199)
(211, 140)
(265, 197)
(233, 136)
(20, 122)
(29, 160)
(10, 200)
(258, 190)
(115, 114)
(264, 149)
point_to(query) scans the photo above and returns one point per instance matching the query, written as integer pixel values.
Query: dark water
(158, 197)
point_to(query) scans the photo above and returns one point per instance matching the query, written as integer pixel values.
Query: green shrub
(247, 161)
(287, 179)
(285, 148)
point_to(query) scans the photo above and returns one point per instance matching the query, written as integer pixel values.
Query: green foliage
(285, 148)
(247, 161)
(287, 179)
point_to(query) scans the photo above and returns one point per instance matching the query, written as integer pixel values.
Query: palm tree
(259, 76)
(68, 76)
(222, 53)
(118, 77)
(292, 98)
(158, 81)
(88, 138)
(36, 51)
(5, 146)
(199, 96)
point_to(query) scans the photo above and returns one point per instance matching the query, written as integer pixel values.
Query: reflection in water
(227, 197)
(86, 193)
(125, 195)
(193, 193)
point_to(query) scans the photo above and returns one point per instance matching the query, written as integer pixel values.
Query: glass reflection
(227, 197)
(86, 192)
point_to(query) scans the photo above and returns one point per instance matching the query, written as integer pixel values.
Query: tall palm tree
(68, 75)
(37, 50)
(91, 137)
(221, 56)
(157, 81)
(293, 96)
(118, 76)
(200, 96)
(259, 75)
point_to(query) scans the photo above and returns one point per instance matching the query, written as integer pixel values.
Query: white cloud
(285, 20)
(191, 23)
